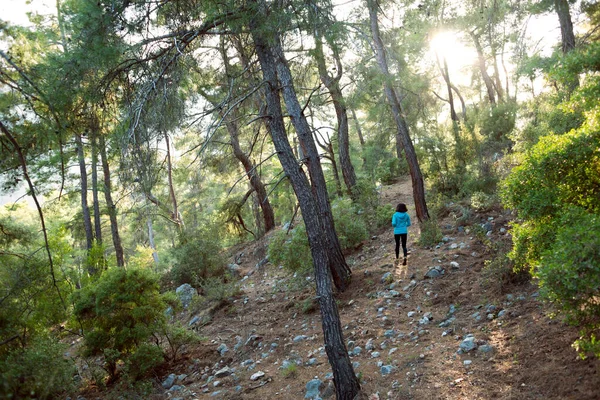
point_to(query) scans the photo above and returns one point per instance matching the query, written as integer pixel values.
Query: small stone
(369, 346)
(223, 372)
(411, 314)
(386, 369)
(468, 344)
(467, 363)
(454, 265)
(222, 349)
(300, 338)
(167, 383)
(256, 376)
(486, 348)
(375, 354)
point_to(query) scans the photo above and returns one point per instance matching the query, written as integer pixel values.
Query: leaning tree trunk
(403, 133)
(176, 216)
(87, 222)
(110, 204)
(346, 383)
(489, 85)
(255, 181)
(333, 86)
(95, 200)
(337, 263)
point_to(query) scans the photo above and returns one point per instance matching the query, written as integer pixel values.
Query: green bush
(349, 225)
(383, 215)
(145, 359)
(196, 260)
(291, 250)
(119, 313)
(40, 371)
(569, 275)
(431, 234)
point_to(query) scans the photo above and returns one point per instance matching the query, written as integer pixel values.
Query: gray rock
(454, 265)
(234, 270)
(300, 338)
(369, 346)
(447, 322)
(434, 272)
(468, 344)
(194, 320)
(223, 372)
(253, 340)
(501, 313)
(222, 349)
(388, 277)
(167, 383)
(185, 293)
(313, 389)
(486, 348)
(389, 333)
(217, 393)
(175, 388)
(356, 351)
(256, 376)
(386, 369)
(313, 361)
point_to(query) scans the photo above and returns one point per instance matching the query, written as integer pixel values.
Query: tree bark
(566, 25)
(110, 204)
(87, 222)
(346, 383)
(151, 240)
(489, 85)
(176, 215)
(333, 86)
(95, 200)
(402, 128)
(358, 129)
(337, 263)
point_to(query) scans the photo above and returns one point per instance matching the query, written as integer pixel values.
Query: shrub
(291, 250)
(40, 371)
(431, 234)
(569, 276)
(145, 359)
(349, 225)
(118, 313)
(196, 260)
(383, 215)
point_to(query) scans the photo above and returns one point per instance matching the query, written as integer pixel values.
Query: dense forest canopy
(139, 140)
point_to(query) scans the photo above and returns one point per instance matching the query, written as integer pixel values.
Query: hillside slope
(458, 334)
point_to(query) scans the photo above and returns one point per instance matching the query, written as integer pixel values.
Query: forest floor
(519, 352)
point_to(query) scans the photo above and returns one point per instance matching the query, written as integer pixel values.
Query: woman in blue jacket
(401, 222)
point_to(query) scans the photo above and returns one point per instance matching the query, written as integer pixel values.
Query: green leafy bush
(431, 234)
(40, 371)
(555, 192)
(569, 275)
(349, 225)
(196, 260)
(119, 313)
(291, 250)
(383, 215)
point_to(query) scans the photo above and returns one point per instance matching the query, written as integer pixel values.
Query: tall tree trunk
(443, 67)
(566, 25)
(87, 222)
(346, 383)
(403, 133)
(151, 240)
(176, 215)
(333, 86)
(110, 204)
(95, 200)
(337, 263)
(489, 85)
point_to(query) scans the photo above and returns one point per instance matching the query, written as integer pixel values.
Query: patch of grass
(290, 371)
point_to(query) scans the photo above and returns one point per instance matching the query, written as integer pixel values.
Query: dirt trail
(404, 330)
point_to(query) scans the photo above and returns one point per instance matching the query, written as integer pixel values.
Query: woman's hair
(401, 207)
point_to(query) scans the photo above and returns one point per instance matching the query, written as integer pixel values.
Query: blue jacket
(400, 222)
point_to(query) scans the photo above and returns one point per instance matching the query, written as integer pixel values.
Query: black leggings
(397, 237)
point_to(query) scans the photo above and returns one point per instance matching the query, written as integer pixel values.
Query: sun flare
(450, 46)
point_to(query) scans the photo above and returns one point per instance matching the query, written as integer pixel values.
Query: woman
(401, 222)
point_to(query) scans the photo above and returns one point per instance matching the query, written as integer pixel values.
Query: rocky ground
(442, 327)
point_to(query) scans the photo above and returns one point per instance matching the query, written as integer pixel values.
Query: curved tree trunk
(333, 85)
(337, 263)
(403, 134)
(489, 85)
(110, 204)
(346, 383)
